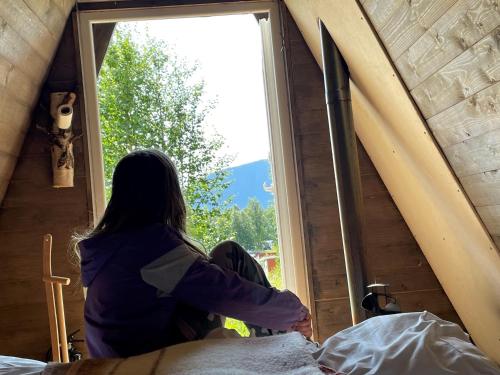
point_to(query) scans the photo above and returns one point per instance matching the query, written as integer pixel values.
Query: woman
(149, 287)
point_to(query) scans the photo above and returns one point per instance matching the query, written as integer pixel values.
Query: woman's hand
(304, 326)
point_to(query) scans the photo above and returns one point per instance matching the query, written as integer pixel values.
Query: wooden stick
(61, 323)
(56, 280)
(53, 291)
(49, 293)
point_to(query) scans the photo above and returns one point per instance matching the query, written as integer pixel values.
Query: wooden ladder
(55, 305)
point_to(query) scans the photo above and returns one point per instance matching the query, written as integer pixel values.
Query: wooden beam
(7, 165)
(128, 4)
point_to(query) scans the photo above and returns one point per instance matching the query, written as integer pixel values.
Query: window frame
(290, 228)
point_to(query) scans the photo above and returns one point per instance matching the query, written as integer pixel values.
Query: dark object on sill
(371, 301)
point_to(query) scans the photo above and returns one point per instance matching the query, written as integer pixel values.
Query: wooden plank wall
(31, 207)
(392, 254)
(29, 34)
(450, 62)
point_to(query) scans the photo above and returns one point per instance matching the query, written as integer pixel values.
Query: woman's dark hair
(145, 190)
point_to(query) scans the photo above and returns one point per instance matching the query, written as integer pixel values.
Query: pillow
(410, 343)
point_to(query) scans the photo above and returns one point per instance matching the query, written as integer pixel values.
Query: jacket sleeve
(210, 288)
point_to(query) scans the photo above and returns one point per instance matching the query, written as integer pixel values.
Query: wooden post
(346, 165)
(61, 319)
(49, 293)
(54, 295)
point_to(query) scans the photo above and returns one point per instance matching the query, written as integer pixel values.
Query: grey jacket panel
(165, 272)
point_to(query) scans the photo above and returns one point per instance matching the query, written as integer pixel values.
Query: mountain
(248, 181)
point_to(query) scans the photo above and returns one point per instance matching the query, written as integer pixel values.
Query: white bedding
(411, 343)
(20, 366)
(282, 354)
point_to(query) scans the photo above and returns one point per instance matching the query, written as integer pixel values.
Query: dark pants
(195, 324)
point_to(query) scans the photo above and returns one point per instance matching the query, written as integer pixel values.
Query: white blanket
(282, 354)
(413, 343)
(20, 366)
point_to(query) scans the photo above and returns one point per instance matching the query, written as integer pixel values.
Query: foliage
(238, 326)
(275, 274)
(254, 226)
(148, 99)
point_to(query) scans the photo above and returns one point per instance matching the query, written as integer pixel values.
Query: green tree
(242, 228)
(254, 226)
(149, 99)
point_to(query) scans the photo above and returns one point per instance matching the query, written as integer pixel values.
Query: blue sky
(229, 52)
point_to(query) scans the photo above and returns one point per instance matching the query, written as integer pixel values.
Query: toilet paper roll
(64, 116)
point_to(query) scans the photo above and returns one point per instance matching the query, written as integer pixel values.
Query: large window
(284, 187)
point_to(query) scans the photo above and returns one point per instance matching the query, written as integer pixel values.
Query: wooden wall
(29, 33)
(392, 254)
(448, 55)
(31, 207)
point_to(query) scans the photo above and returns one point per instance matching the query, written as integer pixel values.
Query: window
(284, 173)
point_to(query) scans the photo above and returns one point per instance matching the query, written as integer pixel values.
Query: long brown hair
(145, 190)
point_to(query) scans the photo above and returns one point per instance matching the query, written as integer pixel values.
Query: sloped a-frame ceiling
(29, 34)
(426, 191)
(448, 54)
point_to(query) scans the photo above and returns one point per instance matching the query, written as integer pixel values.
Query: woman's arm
(208, 287)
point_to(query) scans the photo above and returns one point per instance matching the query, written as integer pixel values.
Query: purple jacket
(136, 279)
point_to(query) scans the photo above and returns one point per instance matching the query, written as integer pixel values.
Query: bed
(409, 343)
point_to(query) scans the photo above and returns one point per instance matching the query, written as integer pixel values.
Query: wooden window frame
(291, 236)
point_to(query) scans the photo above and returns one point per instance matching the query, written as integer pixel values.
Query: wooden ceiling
(25, 57)
(448, 55)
